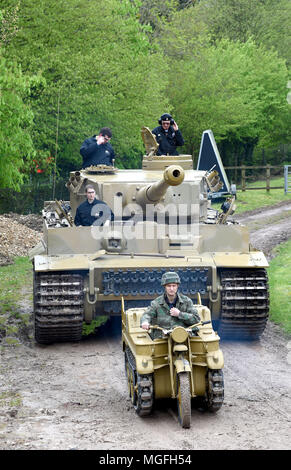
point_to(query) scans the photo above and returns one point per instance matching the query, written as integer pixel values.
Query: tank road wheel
(215, 390)
(184, 399)
(144, 398)
(58, 307)
(140, 387)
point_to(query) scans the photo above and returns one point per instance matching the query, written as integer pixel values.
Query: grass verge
(280, 286)
(15, 279)
(255, 199)
(15, 282)
(279, 272)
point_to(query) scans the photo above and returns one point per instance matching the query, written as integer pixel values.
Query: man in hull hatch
(92, 211)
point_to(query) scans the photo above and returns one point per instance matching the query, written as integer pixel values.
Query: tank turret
(163, 182)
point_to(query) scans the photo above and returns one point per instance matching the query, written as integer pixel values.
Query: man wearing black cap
(168, 136)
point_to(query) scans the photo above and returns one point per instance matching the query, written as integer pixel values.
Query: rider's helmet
(170, 278)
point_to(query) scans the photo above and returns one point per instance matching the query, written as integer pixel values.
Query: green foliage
(90, 328)
(14, 279)
(16, 147)
(12, 284)
(16, 117)
(280, 286)
(274, 29)
(234, 19)
(215, 64)
(157, 13)
(267, 21)
(8, 24)
(99, 64)
(236, 89)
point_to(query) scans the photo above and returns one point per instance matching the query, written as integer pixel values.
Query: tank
(163, 221)
(181, 365)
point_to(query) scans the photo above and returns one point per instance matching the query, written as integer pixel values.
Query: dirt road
(268, 227)
(74, 396)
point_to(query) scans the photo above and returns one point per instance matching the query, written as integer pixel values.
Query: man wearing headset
(168, 136)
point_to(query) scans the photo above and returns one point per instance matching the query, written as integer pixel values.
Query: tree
(236, 89)
(266, 21)
(100, 65)
(156, 13)
(8, 24)
(274, 30)
(16, 147)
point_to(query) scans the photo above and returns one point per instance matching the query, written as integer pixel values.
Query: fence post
(243, 178)
(268, 173)
(287, 179)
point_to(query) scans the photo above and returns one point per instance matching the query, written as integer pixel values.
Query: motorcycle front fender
(182, 365)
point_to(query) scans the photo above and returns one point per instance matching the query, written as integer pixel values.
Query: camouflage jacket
(158, 313)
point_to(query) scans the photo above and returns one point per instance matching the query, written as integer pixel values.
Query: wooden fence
(243, 169)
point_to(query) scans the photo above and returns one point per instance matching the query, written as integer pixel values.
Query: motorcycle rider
(171, 308)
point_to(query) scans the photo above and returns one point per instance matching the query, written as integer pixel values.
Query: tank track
(215, 390)
(144, 399)
(58, 307)
(244, 303)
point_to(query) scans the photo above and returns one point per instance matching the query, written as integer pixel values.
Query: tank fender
(182, 365)
(215, 360)
(39, 249)
(144, 365)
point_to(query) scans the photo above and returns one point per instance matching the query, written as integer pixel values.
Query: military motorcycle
(184, 363)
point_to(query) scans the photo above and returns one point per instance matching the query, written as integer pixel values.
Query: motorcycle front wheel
(184, 399)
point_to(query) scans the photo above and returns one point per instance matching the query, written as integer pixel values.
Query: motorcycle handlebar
(189, 328)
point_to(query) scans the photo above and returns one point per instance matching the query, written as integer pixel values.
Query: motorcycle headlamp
(179, 334)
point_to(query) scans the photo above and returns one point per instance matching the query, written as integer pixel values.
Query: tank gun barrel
(151, 194)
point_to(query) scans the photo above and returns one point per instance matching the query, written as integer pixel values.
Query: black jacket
(168, 141)
(94, 154)
(96, 213)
